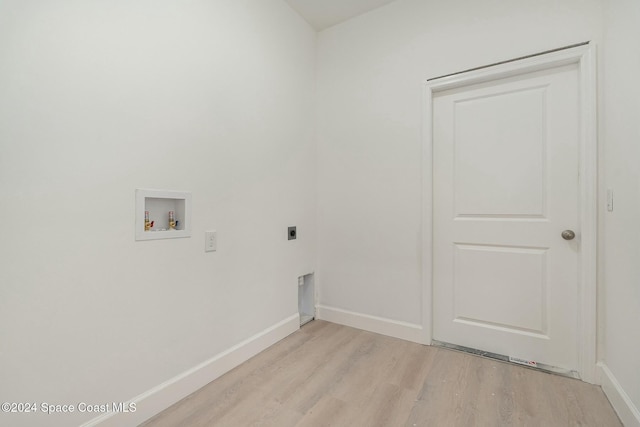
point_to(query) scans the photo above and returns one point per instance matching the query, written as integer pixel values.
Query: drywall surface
(620, 296)
(325, 13)
(99, 98)
(371, 71)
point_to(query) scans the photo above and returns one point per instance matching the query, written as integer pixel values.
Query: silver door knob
(568, 235)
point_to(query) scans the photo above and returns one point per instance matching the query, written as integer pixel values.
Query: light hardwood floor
(332, 375)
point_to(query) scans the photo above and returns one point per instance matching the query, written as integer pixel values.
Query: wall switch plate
(210, 241)
(292, 233)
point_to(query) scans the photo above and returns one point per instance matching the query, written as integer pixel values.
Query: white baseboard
(380, 325)
(620, 400)
(166, 394)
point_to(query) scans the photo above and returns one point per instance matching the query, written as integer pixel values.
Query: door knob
(568, 235)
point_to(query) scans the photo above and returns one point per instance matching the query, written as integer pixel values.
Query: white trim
(380, 325)
(587, 321)
(620, 400)
(584, 57)
(173, 390)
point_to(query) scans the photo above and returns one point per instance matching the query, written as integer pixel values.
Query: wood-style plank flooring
(332, 375)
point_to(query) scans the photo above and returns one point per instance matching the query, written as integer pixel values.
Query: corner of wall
(621, 402)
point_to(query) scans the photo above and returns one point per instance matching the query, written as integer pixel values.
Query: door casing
(584, 56)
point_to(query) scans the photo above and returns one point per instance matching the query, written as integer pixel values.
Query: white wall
(620, 249)
(99, 98)
(370, 77)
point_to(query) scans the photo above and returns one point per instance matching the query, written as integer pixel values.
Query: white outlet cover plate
(210, 241)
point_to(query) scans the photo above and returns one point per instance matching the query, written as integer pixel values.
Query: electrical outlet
(210, 241)
(291, 233)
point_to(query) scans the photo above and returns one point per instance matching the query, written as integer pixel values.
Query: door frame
(584, 56)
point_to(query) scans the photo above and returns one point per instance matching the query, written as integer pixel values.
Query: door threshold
(512, 360)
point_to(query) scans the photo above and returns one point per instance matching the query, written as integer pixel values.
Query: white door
(505, 187)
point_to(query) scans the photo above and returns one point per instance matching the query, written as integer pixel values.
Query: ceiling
(322, 14)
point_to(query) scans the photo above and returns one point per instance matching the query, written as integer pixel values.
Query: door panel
(505, 187)
(514, 298)
(510, 160)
